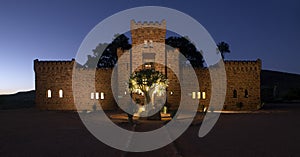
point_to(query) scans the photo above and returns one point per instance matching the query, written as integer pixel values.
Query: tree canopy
(150, 83)
(223, 48)
(187, 49)
(109, 56)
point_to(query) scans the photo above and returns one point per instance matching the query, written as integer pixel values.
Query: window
(246, 93)
(60, 92)
(198, 95)
(148, 60)
(234, 94)
(194, 95)
(97, 95)
(203, 95)
(151, 44)
(145, 44)
(148, 66)
(92, 95)
(102, 96)
(49, 93)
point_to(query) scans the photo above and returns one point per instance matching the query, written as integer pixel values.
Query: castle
(53, 79)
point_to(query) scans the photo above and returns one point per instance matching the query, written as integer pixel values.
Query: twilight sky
(53, 30)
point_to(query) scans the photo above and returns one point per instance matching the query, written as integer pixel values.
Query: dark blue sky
(53, 30)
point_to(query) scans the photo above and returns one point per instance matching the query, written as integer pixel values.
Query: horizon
(54, 30)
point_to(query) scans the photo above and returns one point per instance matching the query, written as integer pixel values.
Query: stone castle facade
(53, 79)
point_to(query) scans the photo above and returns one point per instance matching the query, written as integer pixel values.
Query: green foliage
(146, 79)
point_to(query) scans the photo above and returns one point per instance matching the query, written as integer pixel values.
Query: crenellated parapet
(139, 24)
(243, 66)
(44, 66)
(147, 32)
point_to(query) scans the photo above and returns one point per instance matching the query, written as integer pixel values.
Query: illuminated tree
(148, 82)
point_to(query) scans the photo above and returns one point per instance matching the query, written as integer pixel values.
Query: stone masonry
(53, 79)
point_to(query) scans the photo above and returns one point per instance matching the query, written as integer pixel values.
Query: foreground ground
(274, 131)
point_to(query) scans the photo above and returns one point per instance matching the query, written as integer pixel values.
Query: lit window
(60, 92)
(145, 44)
(102, 96)
(151, 43)
(97, 95)
(203, 95)
(49, 93)
(92, 95)
(194, 95)
(148, 66)
(198, 95)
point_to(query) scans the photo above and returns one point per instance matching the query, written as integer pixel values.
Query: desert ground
(272, 131)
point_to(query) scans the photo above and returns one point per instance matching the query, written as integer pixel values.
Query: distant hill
(18, 100)
(277, 86)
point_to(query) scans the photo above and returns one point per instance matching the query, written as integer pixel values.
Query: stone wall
(243, 77)
(57, 75)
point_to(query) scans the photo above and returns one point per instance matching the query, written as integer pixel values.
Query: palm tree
(223, 47)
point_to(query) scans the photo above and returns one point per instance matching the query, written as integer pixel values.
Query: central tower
(148, 45)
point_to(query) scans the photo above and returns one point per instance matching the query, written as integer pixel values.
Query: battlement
(52, 65)
(243, 66)
(139, 24)
(243, 62)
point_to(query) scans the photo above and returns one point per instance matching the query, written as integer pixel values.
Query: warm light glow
(49, 93)
(102, 96)
(203, 95)
(165, 110)
(194, 95)
(148, 66)
(60, 93)
(97, 95)
(171, 93)
(198, 95)
(143, 108)
(145, 43)
(92, 95)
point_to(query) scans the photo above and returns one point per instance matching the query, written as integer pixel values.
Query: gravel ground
(273, 131)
